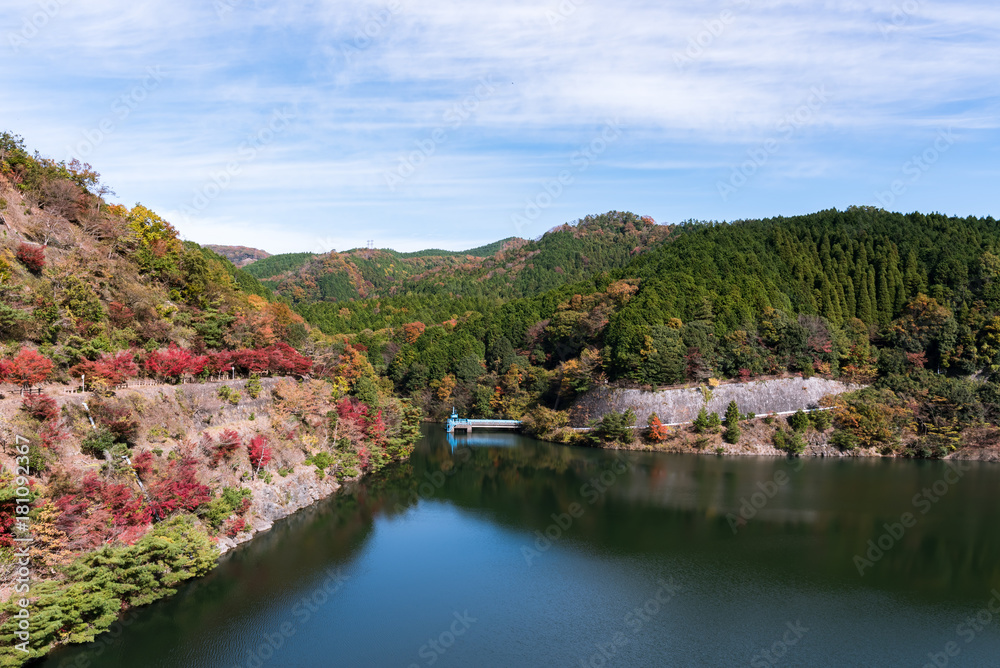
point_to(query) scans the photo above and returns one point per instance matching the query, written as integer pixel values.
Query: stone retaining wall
(682, 405)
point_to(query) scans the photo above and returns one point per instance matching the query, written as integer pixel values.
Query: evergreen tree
(732, 433)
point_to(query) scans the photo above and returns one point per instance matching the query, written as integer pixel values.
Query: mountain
(508, 268)
(241, 256)
(909, 303)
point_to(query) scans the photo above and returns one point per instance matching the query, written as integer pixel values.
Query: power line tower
(371, 244)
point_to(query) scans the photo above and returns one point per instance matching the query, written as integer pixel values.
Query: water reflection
(446, 530)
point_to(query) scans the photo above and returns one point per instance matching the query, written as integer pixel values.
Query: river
(500, 550)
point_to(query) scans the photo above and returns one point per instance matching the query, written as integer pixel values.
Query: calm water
(443, 562)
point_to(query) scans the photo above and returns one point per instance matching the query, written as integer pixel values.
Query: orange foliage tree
(412, 331)
(658, 431)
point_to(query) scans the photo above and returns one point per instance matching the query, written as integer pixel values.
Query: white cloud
(366, 81)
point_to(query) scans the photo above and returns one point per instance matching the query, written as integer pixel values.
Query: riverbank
(227, 459)
(887, 424)
(757, 440)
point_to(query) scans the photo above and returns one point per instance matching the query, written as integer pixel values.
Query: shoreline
(756, 445)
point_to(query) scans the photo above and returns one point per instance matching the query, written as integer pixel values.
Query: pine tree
(732, 434)
(701, 422)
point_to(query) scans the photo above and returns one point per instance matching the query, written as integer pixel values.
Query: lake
(499, 550)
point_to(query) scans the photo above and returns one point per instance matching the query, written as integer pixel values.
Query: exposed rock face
(682, 405)
(279, 499)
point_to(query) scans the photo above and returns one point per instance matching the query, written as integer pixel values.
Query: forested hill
(508, 268)
(862, 294)
(80, 278)
(862, 263)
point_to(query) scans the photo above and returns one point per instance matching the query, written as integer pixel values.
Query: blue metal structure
(455, 422)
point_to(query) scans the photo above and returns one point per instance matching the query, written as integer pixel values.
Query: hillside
(509, 268)
(284, 268)
(208, 408)
(241, 256)
(910, 303)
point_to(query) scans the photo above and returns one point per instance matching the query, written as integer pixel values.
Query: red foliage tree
(260, 453)
(119, 314)
(51, 435)
(233, 526)
(229, 442)
(142, 463)
(375, 429)
(354, 411)
(98, 511)
(174, 362)
(116, 418)
(41, 407)
(219, 362)
(32, 257)
(29, 368)
(113, 369)
(282, 358)
(249, 361)
(178, 488)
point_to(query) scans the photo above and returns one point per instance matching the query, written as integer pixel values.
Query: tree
(41, 407)
(799, 421)
(284, 359)
(174, 362)
(657, 431)
(701, 423)
(113, 369)
(260, 453)
(178, 489)
(412, 331)
(32, 257)
(614, 427)
(732, 433)
(30, 368)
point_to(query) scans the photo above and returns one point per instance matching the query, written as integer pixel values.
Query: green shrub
(789, 441)
(231, 501)
(224, 392)
(96, 442)
(321, 461)
(540, 421)
(254, 387)
(97, 586)
(799, 421)
(614, 427)
(844, 440)
(821, 420)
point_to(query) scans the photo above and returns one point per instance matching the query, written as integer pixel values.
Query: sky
(324, 124)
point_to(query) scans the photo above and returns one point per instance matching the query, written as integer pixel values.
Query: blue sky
(321, 124)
